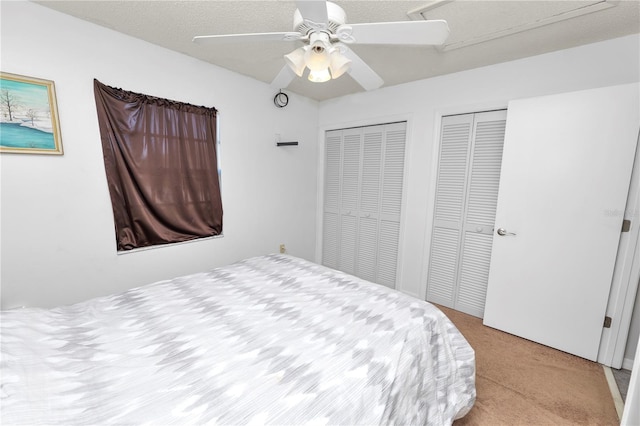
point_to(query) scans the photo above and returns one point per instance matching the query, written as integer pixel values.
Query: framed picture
(28, 116)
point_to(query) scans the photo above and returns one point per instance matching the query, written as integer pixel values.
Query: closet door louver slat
(331, 221)
(391, 203)
(485, 172)
(480, 215)
(443, 265)
(330, 237)
(350, 172)
(367, 248)
(348, 231)
(388, 252)
(371, 163)
(393, 171)
(349, 200)
(370, 203)
(474, 273)
(453, 169)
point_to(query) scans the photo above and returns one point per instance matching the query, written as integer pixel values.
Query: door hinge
(626, 225)
(607, 322)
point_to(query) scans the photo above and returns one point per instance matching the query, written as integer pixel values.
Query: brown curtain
(161, 165)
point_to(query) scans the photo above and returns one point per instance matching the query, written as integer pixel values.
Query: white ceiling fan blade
(313, 10)
(410, 32)
(284, 78)
(361, 72)
(246, 38)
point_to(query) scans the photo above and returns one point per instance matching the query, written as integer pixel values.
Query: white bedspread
(269, 340)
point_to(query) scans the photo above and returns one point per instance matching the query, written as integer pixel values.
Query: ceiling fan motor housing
(336, 16)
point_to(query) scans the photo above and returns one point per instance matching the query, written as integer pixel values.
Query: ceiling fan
(322, 29)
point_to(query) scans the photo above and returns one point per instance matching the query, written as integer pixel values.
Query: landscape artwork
(28, 116)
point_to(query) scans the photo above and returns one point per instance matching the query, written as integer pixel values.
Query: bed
(269, 340)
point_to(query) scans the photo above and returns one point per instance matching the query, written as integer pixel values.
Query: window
(161, 165)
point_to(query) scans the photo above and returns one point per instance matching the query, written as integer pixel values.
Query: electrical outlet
(283, 249)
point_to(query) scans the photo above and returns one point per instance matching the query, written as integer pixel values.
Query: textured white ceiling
(173, 24)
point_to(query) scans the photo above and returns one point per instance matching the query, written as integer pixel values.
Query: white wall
(601, 64)
(57, 232)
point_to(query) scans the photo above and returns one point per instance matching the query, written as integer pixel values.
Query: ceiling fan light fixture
(296, 61)
(317, 57)
(319, 76)
(339, 64)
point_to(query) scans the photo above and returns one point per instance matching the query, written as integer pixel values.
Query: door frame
(625, 284)
(626, 277)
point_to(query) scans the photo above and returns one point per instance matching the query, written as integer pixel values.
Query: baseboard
(615, 392)
(627, 364)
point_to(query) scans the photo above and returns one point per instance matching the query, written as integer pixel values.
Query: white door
(565, 175)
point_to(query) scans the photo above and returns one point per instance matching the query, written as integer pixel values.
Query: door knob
(503, 232)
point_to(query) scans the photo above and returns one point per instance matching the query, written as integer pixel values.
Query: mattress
(269, 340)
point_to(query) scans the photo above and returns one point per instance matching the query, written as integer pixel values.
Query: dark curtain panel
(160, 159)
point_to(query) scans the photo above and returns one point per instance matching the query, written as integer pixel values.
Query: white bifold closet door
(465, 207)
(364, 170)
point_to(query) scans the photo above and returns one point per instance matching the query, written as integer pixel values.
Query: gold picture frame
(28, 116)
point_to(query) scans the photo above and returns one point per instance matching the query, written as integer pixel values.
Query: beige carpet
(520, 382)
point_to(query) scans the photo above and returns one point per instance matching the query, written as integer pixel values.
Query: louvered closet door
(349, 199)
(331, 216)
(466, 195)
(370, 202)
(391, 202)
(364, 169)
